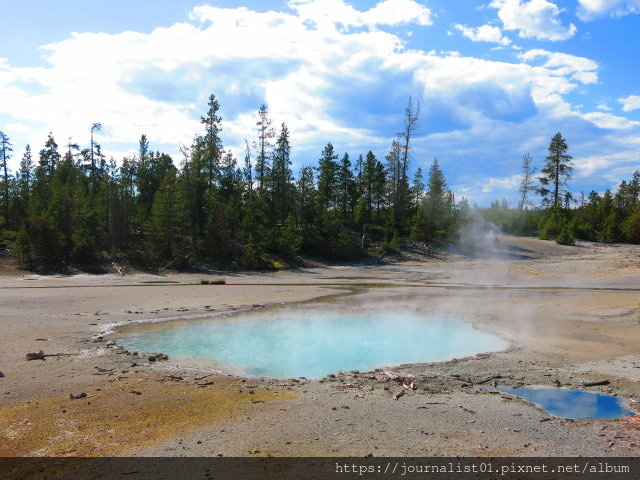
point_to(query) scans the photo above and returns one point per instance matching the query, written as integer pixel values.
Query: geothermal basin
(312, 343)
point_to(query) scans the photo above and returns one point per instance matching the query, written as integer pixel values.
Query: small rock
(136, 392)
(77, 397)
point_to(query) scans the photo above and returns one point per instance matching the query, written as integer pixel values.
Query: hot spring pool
(303, 343)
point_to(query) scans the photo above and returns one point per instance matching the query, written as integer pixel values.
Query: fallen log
(206, 384)
(596, 383)
(495, 377)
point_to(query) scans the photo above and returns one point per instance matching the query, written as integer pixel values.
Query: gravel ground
(569, 313)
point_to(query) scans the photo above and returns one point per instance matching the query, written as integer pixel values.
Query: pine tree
(417, 189)
(247, 171)
(346, 188)
(634, 187)
(435, 216)
(263, 147)
(556, 172)
(290, 238)
(24, 179)
(327, 178)
(49, 155)
(281, 177)
(368, 182)
(410, 126)
(306, 195)
(5, 154)
(96, 127)
(166, 219)
(526, 184)
(394, 180)
(437, 188)
(379, 189)
(211, 143)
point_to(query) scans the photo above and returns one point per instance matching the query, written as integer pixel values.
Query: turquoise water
(311, 344)
(572, 403)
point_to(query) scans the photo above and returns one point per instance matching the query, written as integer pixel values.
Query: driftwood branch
(404, 382)
(41, 355)
(595, 383)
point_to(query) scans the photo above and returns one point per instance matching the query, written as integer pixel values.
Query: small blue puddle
(312, 344)
(572, 403)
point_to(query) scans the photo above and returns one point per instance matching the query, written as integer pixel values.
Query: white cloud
(533, 19)
(504, 183)
(604, 107)
(484, 33)
(630, 103)
(157, 83)
(607, 120)
(388, 12)
(577, 68)
(590, 165)
(590, 9)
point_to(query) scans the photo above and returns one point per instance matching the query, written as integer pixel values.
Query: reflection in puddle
(572, 403)
(308, 343)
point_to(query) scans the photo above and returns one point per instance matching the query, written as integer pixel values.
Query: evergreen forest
(66, 205)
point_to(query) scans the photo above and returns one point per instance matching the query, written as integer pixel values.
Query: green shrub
(392, 245)
(553, 224)
(609, 233)
(631, 227)
(566, 235)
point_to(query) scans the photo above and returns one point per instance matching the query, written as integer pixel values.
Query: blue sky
(495, 79)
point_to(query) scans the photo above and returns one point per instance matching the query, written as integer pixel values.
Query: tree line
(71, 205)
